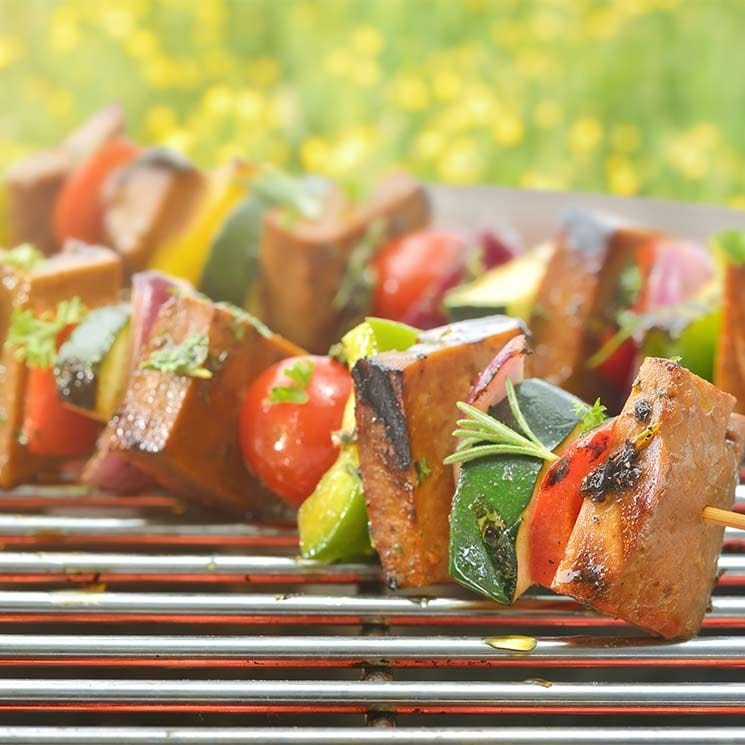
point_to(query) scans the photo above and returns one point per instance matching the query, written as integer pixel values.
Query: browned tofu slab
(729, 366)
(148, 201)
(405, 416)
(575, 301)
(33, 184)
(644, 553)
(303, 264)
(91, 273)
(182, 430)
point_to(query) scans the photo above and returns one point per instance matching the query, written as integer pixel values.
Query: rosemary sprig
(482, 435)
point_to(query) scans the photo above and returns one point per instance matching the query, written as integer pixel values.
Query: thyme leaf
(186, 359)
(35, 337)
(482, 435)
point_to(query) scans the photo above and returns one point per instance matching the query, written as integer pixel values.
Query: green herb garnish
(675, 358)
(732, 245)
(355, 290)
(629, 323)
(482, 435)
(423, 471)
(592, 416)
(629, 285)
(241, 318)
(35, 338)
(186, 359)
(300, 374)
(24, 257)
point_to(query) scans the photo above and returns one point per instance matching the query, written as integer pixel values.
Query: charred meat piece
(179, 419)
(303, 263)
(94, 275)
(729, 370)
(34, 183)
(148, 201)
(405, 415)
(577, 301)
(640, 549)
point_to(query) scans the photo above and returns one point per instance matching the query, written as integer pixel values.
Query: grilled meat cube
(34, 183)
(577, 302)
(729, 366)
(182, 429)
(303, 265)
(405, 416)
(640, 549)
(148, 201)
(91, 273)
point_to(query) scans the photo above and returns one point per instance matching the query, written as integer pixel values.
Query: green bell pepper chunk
(689, 331)
(332, 522)
(493, 492)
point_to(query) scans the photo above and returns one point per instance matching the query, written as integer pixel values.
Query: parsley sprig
(35, 337)
(592, 416)
(186, 359)
(300, 373)
(482, 435)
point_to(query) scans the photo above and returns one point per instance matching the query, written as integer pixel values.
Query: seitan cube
(406, 412)
(34, 183)
(182, 430)
(303, 265)
(640, 549)
(91, 273)
(577, 302)
(147, 202)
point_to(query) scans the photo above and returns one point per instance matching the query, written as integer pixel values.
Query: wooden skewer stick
(729, 519)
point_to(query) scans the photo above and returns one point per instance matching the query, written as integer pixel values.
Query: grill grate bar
(369, 736)
(71, 562)
(320, 650)
(320, 608)
(400, 695)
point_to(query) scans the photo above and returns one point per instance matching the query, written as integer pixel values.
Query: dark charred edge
(77, 384)
(558, 472)
(587, 232)
(374, 386)
(643, 410)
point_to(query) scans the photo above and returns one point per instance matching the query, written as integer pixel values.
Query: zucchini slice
(493, 493)
(92, 366)
(508, 289)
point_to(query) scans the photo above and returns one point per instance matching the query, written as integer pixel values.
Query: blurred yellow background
(627, 96)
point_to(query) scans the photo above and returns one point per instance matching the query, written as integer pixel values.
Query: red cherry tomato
(557, 501)
(50, 428)
(414, 271)
(288, 445)
(78, 212)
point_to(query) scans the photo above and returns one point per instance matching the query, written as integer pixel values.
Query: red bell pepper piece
(557, 502)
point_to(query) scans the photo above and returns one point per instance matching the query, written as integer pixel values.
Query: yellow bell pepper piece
(185, 254)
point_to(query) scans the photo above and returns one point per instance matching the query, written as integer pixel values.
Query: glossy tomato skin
(414, 271)
(288, 445)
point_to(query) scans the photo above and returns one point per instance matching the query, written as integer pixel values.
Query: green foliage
(600, 95)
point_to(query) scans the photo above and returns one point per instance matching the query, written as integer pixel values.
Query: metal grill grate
(137, 620)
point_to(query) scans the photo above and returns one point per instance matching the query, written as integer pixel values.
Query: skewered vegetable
(333, 521)
(405, 408)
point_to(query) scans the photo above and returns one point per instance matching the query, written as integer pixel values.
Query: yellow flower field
(627, 96)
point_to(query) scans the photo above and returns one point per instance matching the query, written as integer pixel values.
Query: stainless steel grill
(136, 620)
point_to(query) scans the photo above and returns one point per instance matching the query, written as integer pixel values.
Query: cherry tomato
(414, 271)
(78, 212)
(557, 501)
(288, 445)
(50, 428)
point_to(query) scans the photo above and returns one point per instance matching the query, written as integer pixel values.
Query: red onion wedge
(106, 469)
